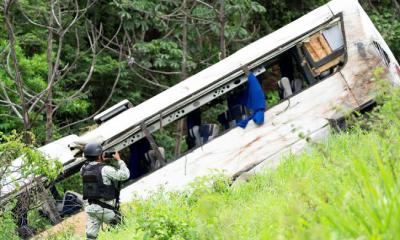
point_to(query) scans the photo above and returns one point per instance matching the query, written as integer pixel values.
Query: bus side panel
(393, 75)
(366, 52)
(286, 127)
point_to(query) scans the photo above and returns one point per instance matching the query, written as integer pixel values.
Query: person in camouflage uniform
(100, 188)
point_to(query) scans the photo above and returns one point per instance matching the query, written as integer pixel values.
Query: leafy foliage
(163, 54)
(32, 162)
(388, 24)
(7, 226)
(272, 98)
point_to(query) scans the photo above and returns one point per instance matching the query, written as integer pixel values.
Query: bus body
(332, 53)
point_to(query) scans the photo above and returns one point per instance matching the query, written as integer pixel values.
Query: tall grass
(345, 188)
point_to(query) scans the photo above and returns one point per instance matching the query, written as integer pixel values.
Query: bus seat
(151, 154)
(297, 85)
(238, 112)
(228, 119)
(203, 133)
(208, 131)
(224, 119)
(194, 133)
(284, 84)
(151, 157)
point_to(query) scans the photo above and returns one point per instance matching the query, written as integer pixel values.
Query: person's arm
(81, 171)
(118, 173)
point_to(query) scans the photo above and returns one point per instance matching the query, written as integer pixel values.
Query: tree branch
(107, 100)
(18, 77)
(147, 80)
(33, 22)
(93, 45)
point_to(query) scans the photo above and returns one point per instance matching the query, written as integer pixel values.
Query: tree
(61, 20)
(29, 166)
(16, 76)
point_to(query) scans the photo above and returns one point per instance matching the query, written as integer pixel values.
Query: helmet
(92, 150)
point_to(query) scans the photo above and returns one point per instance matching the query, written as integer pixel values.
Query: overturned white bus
(323, 65)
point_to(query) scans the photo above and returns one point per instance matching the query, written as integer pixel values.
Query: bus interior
(301, 64)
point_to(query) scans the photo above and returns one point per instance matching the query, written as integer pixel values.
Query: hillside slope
(347, 187)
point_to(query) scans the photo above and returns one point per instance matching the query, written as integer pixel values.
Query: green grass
(345, 188)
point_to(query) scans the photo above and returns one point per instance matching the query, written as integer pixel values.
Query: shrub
(31, 163)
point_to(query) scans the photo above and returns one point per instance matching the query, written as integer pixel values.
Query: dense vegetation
(32, 163)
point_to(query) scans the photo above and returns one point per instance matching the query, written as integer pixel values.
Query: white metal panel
(208, 76)
(360, 33)
(392, 74)
(240, 149)
(318, 136)
(124, 103)
(59, 149)
(232, 153)
(338, 6)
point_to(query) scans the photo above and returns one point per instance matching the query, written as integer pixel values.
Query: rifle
(118, 188)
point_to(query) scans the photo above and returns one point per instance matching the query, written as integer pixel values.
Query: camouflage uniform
(97, 215)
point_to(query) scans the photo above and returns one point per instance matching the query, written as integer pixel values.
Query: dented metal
(289, 126)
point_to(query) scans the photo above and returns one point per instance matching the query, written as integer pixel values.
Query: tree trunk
(372, 6)
(268, 27)
(396, 5)
(48, 203)
(49, 116)
(184, 74)
(49, 99)
(154, 146)
(221, 19)
(18, 77)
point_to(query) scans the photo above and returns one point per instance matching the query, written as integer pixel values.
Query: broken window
(324, 51)
(304, 62)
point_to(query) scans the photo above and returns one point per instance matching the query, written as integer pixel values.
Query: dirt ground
(75, 223)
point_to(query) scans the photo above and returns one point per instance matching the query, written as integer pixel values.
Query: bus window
(324, 51)
(382, 53)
